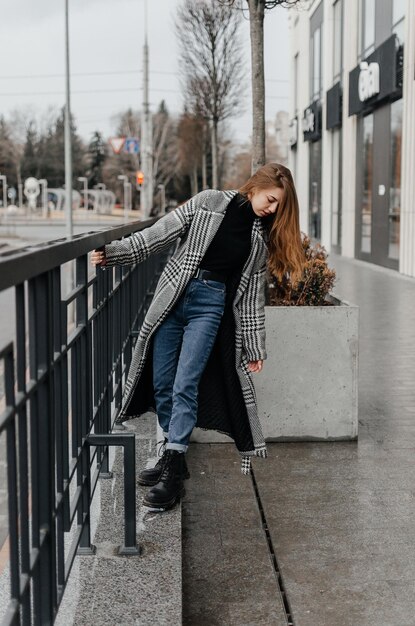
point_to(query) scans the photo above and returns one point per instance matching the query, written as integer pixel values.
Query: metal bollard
(127, 441)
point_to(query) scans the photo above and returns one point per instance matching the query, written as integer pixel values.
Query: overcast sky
(106, 40)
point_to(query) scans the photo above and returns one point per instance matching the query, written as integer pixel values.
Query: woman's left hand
(255, 366)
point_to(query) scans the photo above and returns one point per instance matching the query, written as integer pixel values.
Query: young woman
(203, 335)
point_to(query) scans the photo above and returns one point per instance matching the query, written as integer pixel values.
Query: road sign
(117, 143)
(12, 193)
(132, 145)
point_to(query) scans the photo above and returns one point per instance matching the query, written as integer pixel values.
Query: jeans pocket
(214, 285)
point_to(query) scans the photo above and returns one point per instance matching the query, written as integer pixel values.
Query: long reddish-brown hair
(286, 254)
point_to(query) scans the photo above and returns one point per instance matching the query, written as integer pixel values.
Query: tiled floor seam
(273, 555)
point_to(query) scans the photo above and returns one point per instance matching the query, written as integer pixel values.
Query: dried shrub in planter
(317, 282)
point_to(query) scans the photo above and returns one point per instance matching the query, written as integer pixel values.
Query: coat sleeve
(253, 316)
(138, 246)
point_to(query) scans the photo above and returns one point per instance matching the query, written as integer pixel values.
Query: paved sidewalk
(228, 578)
(341, 515)
(145, 590)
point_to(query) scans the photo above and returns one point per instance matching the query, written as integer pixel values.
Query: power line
(111, 90)
(83, 91)
(110, 73)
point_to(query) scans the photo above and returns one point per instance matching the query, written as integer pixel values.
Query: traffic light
(139, 177)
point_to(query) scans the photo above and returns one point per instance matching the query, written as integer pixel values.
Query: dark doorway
(314, 215)
(378, 185)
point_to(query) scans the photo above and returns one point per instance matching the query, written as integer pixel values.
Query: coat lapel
(214, 215)
(255, 259)
(204, 227)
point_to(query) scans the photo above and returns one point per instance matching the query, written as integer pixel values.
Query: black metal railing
(63, 379)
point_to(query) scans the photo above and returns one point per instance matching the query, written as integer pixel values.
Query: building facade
(352, 127)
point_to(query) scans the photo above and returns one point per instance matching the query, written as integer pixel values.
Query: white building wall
(282, 135)
(350, 50)
(326, 178)
(300, 43)
(407, 234)
(300, 29)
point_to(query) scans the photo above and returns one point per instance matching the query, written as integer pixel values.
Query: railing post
(43, 448)
(127, 441)
(12, 476)
(23, 449)
(103, 359)
(129, 547)
(86, 548)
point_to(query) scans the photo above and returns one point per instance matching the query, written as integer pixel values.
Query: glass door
(395, 187)
(336, 191)
(314, 225)
(366, 205)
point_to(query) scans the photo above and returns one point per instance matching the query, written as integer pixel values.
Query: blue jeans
(182, 346)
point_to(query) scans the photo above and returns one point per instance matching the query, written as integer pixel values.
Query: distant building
(277, 138)
(282, 130)
(352, 127)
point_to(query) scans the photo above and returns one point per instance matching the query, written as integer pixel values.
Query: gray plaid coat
(195, 223)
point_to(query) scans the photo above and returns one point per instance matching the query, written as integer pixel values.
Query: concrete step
(228, 573)
(143, 590)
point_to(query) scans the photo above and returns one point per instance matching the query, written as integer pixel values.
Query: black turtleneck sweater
(230, 247)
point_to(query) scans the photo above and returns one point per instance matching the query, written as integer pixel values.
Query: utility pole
(3, 179)
(68, 147)
(146, 133)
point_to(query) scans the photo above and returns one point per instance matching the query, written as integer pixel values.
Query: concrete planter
(307, 389)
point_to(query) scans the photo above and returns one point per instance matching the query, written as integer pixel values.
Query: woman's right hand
(98, 258)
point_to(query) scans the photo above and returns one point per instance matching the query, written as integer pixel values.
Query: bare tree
(211, 61)
(27, 151)
(191, 153)
(165, 162)
(256, 10)
(20, 121)
(239, 169)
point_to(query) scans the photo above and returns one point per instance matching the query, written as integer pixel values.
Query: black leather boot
(170, 488)
(151, 476)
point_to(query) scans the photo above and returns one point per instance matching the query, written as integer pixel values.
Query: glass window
(360, 29)
(367, 184)
(395, 188)
(314, 225)
(337, 40)
(316, 62)
(398, 10)
(336, 192)
(398, 19)
(367, 26)
(295, 84)
(316, 47)
(399, 31)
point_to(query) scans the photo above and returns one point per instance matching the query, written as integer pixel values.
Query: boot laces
(169, 470)
(161, 452)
